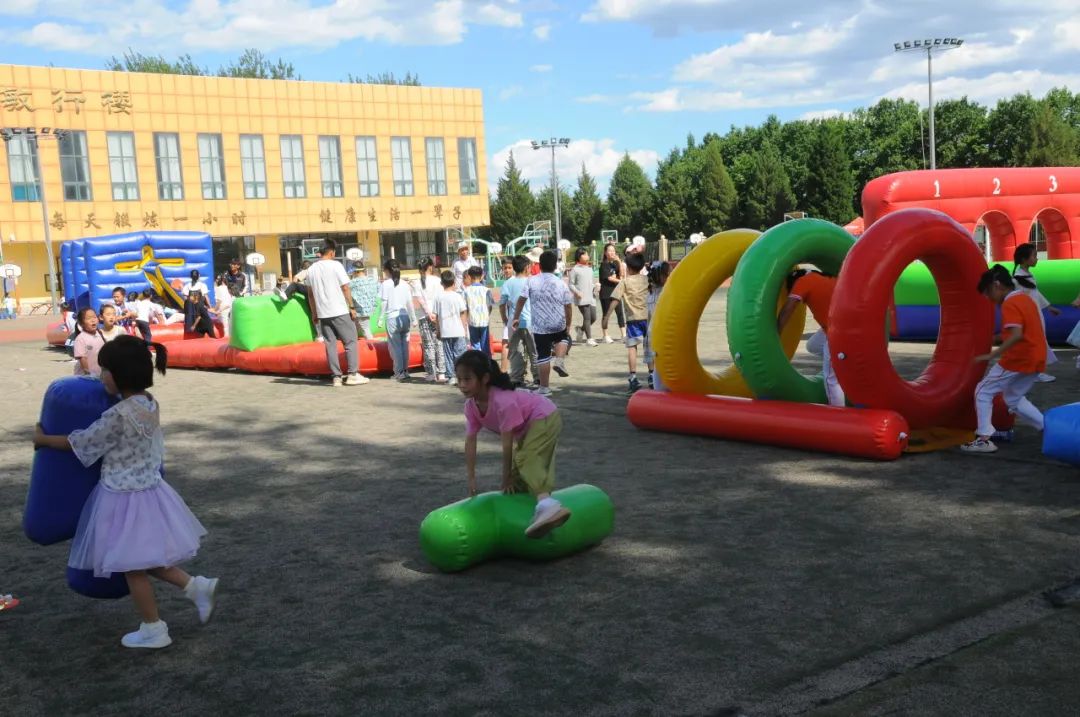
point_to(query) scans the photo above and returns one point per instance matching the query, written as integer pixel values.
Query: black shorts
(545, 344)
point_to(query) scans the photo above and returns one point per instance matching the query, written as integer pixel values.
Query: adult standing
(463, 263)
(331, 311)
(611, 273)
(235, 280)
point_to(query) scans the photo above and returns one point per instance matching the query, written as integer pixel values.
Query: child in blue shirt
(478, 300)
(521, 345)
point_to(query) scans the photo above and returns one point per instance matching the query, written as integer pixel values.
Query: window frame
(436, 161)
(368, 187)
(128, 185)
(292, 187)
(403, 185)
(335, 183)
(252, 166)
(469, 185)
(207, 161)
(171, 186)
(32, 187)
(83, 159)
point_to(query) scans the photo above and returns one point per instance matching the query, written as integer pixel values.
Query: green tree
(829, 194)
(767, 195)
(386, 78)
(1052, 142)
(959, 133)
(586, 209)
(630, 198)
(514, 206)
(545, 209)
(795, 144)
(1008, 130)
(714, 192)
(254, 65)
(133, 61)
(890, 138)
(673, 197)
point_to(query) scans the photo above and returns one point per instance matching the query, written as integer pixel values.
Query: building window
(211, 166)
(330, 166)
(466, 147)
(125, 180)
(253, 166)
(170, 180)
(22, 168)
(410, 247)
(292, 166)
(367, 166)
(436, 166)
(75, 167)
(401, 159)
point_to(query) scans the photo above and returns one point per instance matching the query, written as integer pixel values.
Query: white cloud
(600, 157)
(512, 91)
(595, 99)
(1067, 34)
(540, 68)
(821, 114)
(542, 31)
(989, 88)
(267, 24)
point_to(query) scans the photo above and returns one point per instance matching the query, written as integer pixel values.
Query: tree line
(752, 176)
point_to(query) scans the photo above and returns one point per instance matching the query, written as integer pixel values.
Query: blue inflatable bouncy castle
(60, 484)
(135, 262)
(1061, 433)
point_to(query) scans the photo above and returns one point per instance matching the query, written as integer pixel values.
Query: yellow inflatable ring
(673, 332)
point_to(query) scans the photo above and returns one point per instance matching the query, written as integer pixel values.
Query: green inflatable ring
(492, 525)
(751, 305)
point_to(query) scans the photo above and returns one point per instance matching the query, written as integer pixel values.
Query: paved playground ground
(740, 579)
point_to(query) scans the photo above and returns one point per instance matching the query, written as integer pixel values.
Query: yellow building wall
(98, 102)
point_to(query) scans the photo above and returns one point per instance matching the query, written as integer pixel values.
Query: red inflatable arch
(942, 395)
(1006, 201)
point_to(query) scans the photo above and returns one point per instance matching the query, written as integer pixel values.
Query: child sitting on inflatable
(1021, 358)
(814, 289)
(134, 522)
(529, 425)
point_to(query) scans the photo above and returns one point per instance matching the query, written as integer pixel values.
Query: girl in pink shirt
(529, 425)
(88, 341)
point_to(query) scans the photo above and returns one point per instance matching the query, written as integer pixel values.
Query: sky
(614, 76)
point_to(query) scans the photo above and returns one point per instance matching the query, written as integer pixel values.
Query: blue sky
(613, 75)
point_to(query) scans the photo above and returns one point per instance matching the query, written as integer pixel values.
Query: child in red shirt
(815, 290)
(1021, 357)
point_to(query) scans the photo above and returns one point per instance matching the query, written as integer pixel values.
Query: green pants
(534, 456)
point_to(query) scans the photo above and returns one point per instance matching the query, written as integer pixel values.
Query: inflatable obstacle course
(1061, 433)
(492, 525)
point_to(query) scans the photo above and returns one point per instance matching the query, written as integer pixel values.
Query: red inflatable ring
(943, 394)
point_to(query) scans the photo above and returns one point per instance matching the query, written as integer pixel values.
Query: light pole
(554, 143)
(940, 44)
(33, 172)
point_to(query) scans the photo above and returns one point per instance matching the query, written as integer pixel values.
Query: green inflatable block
(492, 525)
(1057, 280)
(266, 320)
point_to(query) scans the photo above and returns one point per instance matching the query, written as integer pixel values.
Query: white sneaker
(549, 514)
(591, 342)
(979, 445)
(1046, 378)
(608, 340)
(542, 391)
(559, 364)
(201, 592)
(356, 379)
(153, 636)
(579, 334)
(320, 339)
(336, 382)
(453, 381)
(281, 294)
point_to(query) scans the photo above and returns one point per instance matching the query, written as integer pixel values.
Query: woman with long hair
(611, 273)
(426, 289)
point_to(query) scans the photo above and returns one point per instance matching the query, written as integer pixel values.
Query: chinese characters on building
(16, 99)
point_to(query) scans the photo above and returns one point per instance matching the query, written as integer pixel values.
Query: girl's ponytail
(161, 357)
(393, 268)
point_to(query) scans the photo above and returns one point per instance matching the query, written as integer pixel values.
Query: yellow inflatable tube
(673, 332)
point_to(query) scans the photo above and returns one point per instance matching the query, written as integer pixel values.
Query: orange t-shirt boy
(816, 291)
(1028, 355)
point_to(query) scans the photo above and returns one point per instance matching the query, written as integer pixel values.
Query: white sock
(546, 502)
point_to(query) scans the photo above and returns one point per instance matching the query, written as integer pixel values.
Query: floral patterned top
(128, 436)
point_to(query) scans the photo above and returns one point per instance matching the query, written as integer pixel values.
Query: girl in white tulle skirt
(134, 522)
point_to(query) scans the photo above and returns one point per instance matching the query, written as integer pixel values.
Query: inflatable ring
(857, 341)
(751, 314)
(678, 313)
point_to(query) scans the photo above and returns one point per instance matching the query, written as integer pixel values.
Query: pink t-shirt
(507, 411)
(87, 346)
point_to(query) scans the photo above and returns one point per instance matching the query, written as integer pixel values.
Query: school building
(264, 166)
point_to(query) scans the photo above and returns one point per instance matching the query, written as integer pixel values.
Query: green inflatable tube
(751, 305)
(1059, 280)
(266, 320)
(492, 525)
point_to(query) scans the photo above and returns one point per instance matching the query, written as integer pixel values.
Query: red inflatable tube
(865, 433)
(942, 395)
(307, 359)
(57, 335)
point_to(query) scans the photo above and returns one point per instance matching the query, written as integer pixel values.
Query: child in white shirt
(452, 321)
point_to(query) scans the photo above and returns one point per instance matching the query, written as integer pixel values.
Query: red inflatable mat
(57, 335)
(306, 359)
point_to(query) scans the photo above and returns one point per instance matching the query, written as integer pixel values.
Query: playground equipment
(1006, 201)
(492, 525)
(940, 398)
(1061, 433)
(535, 234)
(60, 484)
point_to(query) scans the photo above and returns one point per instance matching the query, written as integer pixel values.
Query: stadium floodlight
(553, 144)
(937, 44)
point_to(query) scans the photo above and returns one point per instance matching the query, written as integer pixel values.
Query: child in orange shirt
(1021, 357)
(814, 289)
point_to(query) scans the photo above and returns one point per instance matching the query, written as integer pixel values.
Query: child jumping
(134, 522)
(1021, 357)
(529, 426)
(634, 292)
(814, 289)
